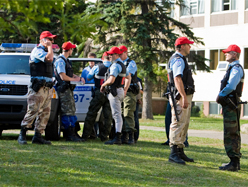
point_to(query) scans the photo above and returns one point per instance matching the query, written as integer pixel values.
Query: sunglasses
(112, 54)
(51, 39)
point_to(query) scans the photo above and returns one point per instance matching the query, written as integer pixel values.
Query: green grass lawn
(197, 123)
(95, 164)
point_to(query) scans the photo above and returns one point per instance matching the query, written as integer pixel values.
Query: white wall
(207, 85)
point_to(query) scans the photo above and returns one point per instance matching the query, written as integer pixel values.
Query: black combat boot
(183, 156)
(232, 166)
(124, 138)
(224, 164)
(174, 157)
(37, 139)
(131, 138)
(116, 140)
(71, 136)
(22, 136)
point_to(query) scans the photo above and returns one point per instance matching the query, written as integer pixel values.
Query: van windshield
(14, 64)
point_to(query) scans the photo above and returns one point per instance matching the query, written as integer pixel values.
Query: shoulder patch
(178, 63)
(235, 70)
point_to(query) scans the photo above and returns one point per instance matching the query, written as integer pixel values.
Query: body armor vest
(119, 80)
(42, 69)
(239, 87)
(68, 69)
(187, 78)
(134, 77)
(99, 77)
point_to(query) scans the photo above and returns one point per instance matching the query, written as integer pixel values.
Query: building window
(246, 59)
(195, 56)
(223, 5)
(246, 4)
(192, 7)
(214, 108)
(216, 56)
(245, 110)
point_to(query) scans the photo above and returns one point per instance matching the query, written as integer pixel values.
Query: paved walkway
(200, 133)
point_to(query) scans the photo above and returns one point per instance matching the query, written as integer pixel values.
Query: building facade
(219, 23)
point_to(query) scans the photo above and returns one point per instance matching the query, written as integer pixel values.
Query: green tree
(147, 29)
(22, 21)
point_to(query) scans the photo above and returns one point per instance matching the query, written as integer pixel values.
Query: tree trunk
(147, 99)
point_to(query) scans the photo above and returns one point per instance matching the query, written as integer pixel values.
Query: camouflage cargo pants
(67, 103)
(100, 100)
(39, 106)
(129, 107)
(179, 129)
(232, 140)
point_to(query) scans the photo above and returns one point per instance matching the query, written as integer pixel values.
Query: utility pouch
(135, 88)
(37, 84)
(189, 90)
(49, 85)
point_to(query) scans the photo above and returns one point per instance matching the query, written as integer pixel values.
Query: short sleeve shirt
(177, 65)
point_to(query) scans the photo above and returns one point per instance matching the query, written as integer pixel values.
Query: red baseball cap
(114, 50)
(104, 54)
(68, 45)
(123, 48)
(183, 40)
(232, 47)
(46, 34)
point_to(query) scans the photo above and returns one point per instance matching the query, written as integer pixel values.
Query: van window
(14, 64)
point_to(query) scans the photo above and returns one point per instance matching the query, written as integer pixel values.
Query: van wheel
(53, 130)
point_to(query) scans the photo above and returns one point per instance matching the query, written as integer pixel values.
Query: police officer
(117, 76)
(64, 74)
(86, 70)
(129, 103)
(229, 98)
(184, 84)
(99, 100)
(40, 92)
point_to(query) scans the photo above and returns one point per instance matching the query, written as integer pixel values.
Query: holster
(113, 91)
(37, 84)
(72, 86)
(62, 86)
(228, 101)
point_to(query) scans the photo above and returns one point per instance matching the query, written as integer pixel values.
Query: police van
(14, 83)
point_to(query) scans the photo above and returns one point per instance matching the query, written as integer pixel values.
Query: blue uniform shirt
(38, 55)
(132, 67)
(60, 65)
(84, 75)
(116, 69)
(177, 65)
(236, 74)
(94, 71)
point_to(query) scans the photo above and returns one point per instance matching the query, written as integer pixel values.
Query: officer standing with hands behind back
(40, 92)
(182, 80)
(229, 98)
(64, 74)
